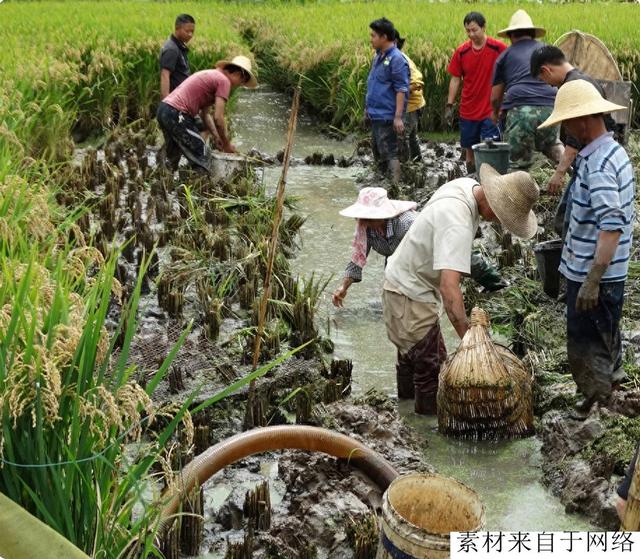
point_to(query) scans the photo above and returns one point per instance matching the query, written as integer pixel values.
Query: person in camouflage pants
(522, 134)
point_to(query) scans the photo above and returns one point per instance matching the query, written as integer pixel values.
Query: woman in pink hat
(381, 224)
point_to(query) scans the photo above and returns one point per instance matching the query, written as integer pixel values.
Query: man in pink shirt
(194, 96)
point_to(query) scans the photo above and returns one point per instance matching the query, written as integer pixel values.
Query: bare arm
(165, 77)
(205, 115)
(453, 300)
(556, 182)
(221, 126)
(497, 95)
(339, 294)
(454, 87)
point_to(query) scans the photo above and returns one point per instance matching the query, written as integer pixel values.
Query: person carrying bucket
(597, 246)
(194, 96)
(381, 224)
(424, 273)
(525, 100)
(472, 66)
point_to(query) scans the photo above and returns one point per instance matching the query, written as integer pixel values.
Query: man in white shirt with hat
(423, 276)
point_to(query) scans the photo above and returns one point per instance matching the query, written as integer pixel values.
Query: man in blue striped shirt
(595, 256)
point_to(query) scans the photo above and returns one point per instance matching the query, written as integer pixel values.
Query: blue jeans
(594, 347)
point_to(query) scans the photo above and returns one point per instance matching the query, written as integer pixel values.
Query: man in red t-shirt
(472, 64)
(194, 96)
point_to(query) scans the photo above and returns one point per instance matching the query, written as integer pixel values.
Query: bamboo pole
(272, 248)
(631, 522)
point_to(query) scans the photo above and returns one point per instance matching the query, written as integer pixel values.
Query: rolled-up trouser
(182, 137)
(594, 347)
(410, 145)
(412, 326)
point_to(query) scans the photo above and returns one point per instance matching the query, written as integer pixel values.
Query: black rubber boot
(404, 378)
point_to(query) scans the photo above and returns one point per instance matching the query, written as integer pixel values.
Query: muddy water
(507, 474)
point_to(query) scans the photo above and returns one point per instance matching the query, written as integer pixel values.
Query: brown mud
(318, 503)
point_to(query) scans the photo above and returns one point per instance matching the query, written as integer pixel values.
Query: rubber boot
(404, 378)
(426, 357)
(395, 171)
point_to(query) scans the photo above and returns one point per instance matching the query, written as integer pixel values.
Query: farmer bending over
(595, 255)
(380, 226)
(424, 273)
(177, 112)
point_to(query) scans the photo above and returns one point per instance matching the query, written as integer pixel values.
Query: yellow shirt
(416, 85)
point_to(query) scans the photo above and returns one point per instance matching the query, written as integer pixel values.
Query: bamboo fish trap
(484, 390)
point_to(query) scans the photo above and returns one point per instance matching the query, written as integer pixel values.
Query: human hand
(398, 125)
(229, 148)
(448, 115)
(556, 183)
(588, 295)
(217, 142)
(338, 296)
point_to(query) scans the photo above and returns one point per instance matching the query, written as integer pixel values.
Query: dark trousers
(418, 370)
(182, 137)
(410, 143)
(594, 346)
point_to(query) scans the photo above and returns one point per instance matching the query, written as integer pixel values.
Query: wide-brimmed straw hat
(519, 21)
(511, 197)
(244, 63)
(578, 98)
(374, 203)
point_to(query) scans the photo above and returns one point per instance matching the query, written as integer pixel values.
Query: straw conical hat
(244, 63)
(511, 197)
(578, 98)
(519, 21)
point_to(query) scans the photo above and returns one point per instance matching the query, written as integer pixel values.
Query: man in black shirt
(549, 64)
(174, 61)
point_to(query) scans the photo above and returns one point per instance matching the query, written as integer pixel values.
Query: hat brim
(539, 31)
(521, 224)
(251, 84)
(395, 208)
(581, 109)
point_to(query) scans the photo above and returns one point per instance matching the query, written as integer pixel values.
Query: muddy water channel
(507, 474)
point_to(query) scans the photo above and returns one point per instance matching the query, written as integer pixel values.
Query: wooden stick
(631, 520)
(273, 244)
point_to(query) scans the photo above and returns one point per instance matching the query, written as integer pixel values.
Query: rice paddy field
(75, 71)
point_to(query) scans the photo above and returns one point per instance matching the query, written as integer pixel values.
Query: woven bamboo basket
(484, 391)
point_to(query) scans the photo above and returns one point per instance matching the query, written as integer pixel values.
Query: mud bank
(319, 504)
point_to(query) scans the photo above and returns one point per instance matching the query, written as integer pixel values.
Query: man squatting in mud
(595, 255)
(194, 96)
(424, 273)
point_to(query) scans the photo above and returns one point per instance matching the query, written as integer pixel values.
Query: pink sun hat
(374, 203)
